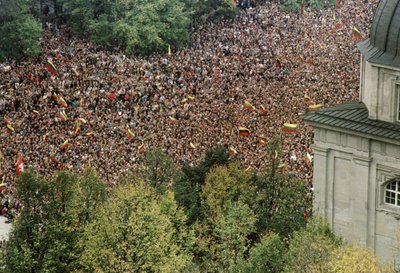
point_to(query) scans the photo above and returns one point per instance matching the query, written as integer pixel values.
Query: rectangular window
(392, 192)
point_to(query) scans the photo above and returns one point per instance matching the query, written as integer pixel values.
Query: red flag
(356, 34)
(50, 66)
(244, 131)
(20, 166)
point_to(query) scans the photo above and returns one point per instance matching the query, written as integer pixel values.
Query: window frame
(394, 193)
(384, 176)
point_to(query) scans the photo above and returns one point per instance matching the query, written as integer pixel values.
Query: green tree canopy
(265, 257)
(54, 212)
(134, 26)
(158, 170)
(19, 31)
(310, 247)
(188, 184)
(130, 233)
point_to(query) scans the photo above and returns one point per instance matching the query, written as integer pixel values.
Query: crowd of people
(104, 109)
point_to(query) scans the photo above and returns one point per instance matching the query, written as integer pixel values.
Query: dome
(383, 45)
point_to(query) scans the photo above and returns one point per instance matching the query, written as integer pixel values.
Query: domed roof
(383, 44)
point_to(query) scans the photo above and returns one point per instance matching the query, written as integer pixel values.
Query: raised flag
(192, 146)
(262, 139)
(171, 119)
(65, 145)
(77, 126)
(356, 34)
(169, 50)
(62, 102)
(10, 128)
(62, 116)
(307, 99)
(289, 127)
(78, 123)
(35, 113)
(82, 120)
(7, 120)
(190, 98)
(46, 137)
(50, 66)
(314, 107)
(244, 131)
(278, 63)
(248, 105)
(300, 117)
(232, 151)
(309, 158)
(89, 134)
(20, 165)
(141, 148)
(129, 134)
(263, 110)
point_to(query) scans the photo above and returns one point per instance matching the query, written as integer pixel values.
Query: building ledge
(353, 117)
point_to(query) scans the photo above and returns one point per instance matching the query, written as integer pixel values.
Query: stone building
(357, 146)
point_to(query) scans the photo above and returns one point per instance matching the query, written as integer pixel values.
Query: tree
(282, 200)
(134, 26)
(130, 233)
(295, 5)
(159, 169)
(204, 10)
(188, 184)
(19, 31)
(265, 257)
(227, 199)
(54, 212)
(223, 186)
(310, 247)
(352, 259)
(232, 230)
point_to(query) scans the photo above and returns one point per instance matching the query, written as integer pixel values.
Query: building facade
(357, 146)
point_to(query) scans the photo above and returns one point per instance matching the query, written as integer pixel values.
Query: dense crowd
(185, 102)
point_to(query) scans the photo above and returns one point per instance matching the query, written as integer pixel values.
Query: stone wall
(349, 178)
(380, 91)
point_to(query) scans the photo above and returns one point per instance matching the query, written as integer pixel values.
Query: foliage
(281, 200)
(352, 259)
(295, 5)
(265, 257)
(291, 5)
(232, 230)
(204, 10)
(188, 184)
(244, 223)
(159, 169)
(310, 247)
(132, 234)
(223, 234)
(53, 215)
(19, 32)
(134, 26)
(223, 186)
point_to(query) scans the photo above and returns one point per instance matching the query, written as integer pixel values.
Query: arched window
(392, 192)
